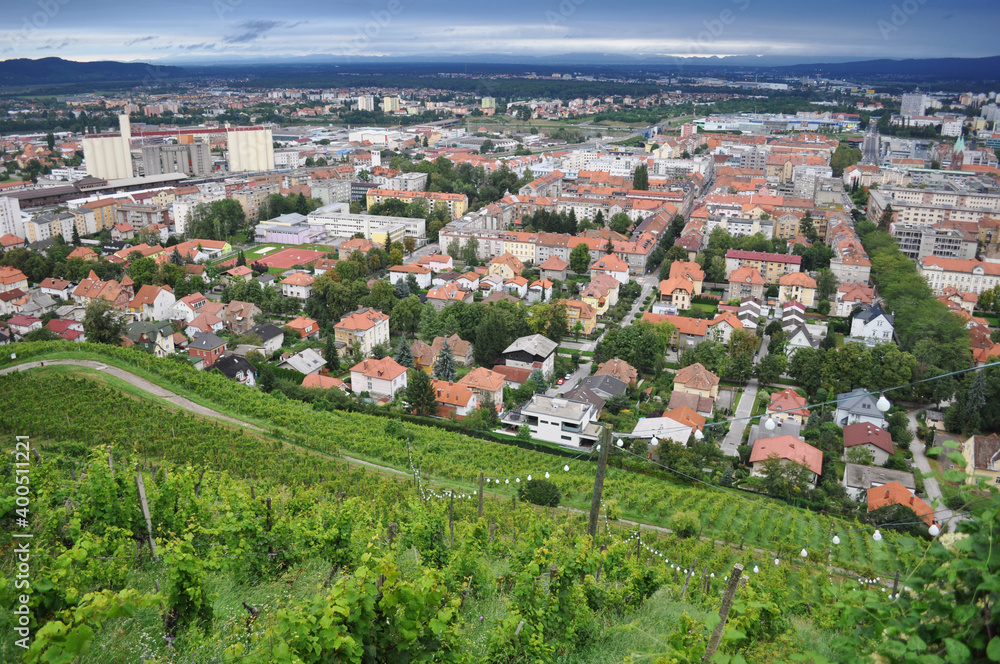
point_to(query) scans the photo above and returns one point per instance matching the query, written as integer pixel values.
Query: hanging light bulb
(877, 536)
(883, 404)
(756, 569)
(546, 474)
(776, 562)
(654, 441)
(598, 448)
(620, 443)
(506, 481)
(698, 435)
(769, 424)
(517, 479)
(529, 478)
(566, 468)
(836, 539)
(804, 553)
(712, 575)
(934, 530)
(475, 493)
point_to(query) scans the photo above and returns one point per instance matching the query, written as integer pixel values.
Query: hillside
(52, 71)
(271, 549)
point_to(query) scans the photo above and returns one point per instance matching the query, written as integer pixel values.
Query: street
(931, 487)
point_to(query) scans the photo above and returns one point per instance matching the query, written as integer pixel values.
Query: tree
(640, 180)
(241, 259)
(826, 284)
(102, 323)
(379, 351)
(558, 326)
(403, 356)
(861, 455)
(540, 492)
(76, 236)
(579, 258)
(419, 395)
(444, 364)
(885, 219)
(409, 244)
(770, 368)
(785, 479)
(470, 252)
(620, 223)
(330, 354)
(176, 258)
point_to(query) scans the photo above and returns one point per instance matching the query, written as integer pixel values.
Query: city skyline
(183, 31)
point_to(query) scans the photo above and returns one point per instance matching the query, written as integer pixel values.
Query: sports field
(287, 258)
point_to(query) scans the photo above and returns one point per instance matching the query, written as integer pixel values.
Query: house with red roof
(788, 405)
(454, 400)
(745, 282)
(612, 266)
(421, 273)
(298, 285)
(789, 449)
(380, 378)
(319, 382)
(895, 493)
(863, 435)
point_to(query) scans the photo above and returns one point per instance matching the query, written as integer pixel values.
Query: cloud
(202, 46)
(138, 40)
(254, 30)
(54, 46)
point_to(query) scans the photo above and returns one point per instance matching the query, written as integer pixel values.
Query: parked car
(560, 381)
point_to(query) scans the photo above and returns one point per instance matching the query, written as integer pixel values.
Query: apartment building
(970, 276)
(456, 204)
(770, 266)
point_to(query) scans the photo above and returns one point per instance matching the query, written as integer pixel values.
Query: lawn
(710, 308)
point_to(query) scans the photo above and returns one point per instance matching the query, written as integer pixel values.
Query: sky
(207, 31)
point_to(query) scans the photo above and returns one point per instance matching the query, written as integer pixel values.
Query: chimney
(887, 493)
(911, 498)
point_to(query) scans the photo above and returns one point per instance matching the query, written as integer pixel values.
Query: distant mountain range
(57, 71)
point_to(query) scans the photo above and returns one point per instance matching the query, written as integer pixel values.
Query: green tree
(771, 367)
(579, 258)
(403, 356)
(330, 354)
(540, 492)
(419, 395)
(76, 236)
(444, 364)
(102, 323)
(558, 326)
(620, 223)
(640, 180)
(826, 284)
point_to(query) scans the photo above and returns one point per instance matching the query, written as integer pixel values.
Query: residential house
(662, 429)
(554, 268)
(612, 266)
(557, 420)
(604, 385)
(689, 270)
(533, 352)
(579, 313)
(858, 479)
(507, 265)
(696, 379)
(585, 394)
(791, 450)
(324, 265)
(11, 278)
(57, 288)
(862, 435)
(316, 381)
(380, 378)
(308, 361)
(189, 306)
(11, 301)
(237, 368)
(238, 317)
(363, 329)
(461, 350)
(982, 458)
(851, 296)
(749, 313)
(237, 274)
(513, 376)
(306, 328)
(68, 329)
(84, 253)
(92, 288)
(799, 336)
(454, 400)
(518, 286)
(203, 323)
(152, 303)
(676, 292)
(873, 325)
(619, 369)
(421, 273)
(745, 282)
(721, 328)
(271, 337)
(770, 266)
(491, 284)
(207, 348)
(788, 404)
(348, 247)
(485, 383)
(797, 287)
(895, 493)
(442, 296)
(469, 281)
(298, 285)
(156, 338)
(857, 406)
(22, 325)
(437, 262)
(423, 356)
(540, 290)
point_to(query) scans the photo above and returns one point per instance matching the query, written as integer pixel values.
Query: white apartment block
(969, 276)
(10, 217)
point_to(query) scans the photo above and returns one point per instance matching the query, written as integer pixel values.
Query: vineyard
(725, 515)
(263, 546)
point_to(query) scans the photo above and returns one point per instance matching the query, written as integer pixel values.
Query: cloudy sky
(188, 31)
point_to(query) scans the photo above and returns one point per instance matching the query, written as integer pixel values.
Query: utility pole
(602, 464)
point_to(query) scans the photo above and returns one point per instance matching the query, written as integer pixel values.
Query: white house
(857, 406)
(564, 421)
(437, 262)
(469, 281)
(540, 290)
(873, 325)
(533, 352)
(306, 362)
(379, 378)
(271, 337)
(421, 273)
(188, 307)
(518, 286)
(612, 266)
(298, 285)
(152, 303)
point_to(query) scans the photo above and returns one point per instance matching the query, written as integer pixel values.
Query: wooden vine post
(145, 508)
(480, 514)
(602, 464)
(727, 604)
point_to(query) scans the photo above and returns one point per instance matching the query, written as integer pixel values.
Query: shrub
(540, 492)
(685, 524)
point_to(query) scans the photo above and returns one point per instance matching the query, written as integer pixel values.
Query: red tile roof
(790, 448)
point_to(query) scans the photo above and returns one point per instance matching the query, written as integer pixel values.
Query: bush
(540, 492)
(685, 524)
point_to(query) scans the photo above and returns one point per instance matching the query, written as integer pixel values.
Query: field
(284, 259)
